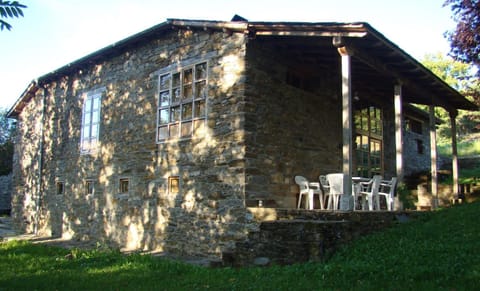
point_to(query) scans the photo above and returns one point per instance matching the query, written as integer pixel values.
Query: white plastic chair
(325, 187)
(387, 189)
(335, 182)
(309, 189)
(369, 191)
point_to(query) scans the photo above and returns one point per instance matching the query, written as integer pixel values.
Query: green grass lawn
(438, 251)
(466, 146)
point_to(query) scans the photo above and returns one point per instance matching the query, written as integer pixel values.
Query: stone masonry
(204, 217)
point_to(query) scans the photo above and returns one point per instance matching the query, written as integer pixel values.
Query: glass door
(369, 142)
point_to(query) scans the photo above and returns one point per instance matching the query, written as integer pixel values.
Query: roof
(370, 47)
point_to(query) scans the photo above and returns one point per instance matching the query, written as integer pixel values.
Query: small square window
(124, 183)
(89, 187)
(60, 188)
(420, 149)
(174, 185)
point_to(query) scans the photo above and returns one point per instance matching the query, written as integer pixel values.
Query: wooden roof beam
(384, 69)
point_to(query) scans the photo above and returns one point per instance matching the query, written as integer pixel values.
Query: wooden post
(453, 125)
(398, 131)
(433, 156)
(347, 148)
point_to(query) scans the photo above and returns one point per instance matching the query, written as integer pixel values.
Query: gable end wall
(208, 213)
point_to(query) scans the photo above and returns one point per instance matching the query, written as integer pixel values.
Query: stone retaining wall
(287, 236)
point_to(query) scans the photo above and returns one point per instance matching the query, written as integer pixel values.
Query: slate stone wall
(288, 236)
(208, 213)
(290, 131)
(416, 161)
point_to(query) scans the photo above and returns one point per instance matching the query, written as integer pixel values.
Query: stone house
(165, 139)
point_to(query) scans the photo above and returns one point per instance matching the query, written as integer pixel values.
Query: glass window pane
(164, 98)
(186, 129)
(86, 132)
(87, 119)
(187, 111)
(165, 82)
(187, 76)
(199, 109)
(164, 117)
(175, 114)
(176, 80)
(96, 117)
(176, 95)
(88, 105)
(174, 130)
(201, 89)
(94, 132)
(96, 103)
(187, 92)
(201, 71)
(163, 132)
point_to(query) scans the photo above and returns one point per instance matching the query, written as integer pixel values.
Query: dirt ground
(7, 233)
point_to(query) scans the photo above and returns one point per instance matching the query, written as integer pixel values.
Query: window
(174, 185)
(369, 141)
(89, 189)
(60, 188)
(182, 102)
(413, 125)
(124, 183)
(90, 122)
(420, 149)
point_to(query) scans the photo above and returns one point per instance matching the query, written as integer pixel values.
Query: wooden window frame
(123, 185)
(414, 125)
(91, 120)
(173, 185)
(182, 101)
(89, 184)
(60, 187)
(369, 126)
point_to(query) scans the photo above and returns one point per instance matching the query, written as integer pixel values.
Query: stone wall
(204, 217)
(5, 194)
(288, 236)
(415, 161)
(290, 131)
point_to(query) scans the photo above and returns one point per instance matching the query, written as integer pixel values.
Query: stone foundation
(287, 236)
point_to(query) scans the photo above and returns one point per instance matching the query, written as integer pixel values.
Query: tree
(465, 39)
(10, 9)
(7, 128)
(460, 76)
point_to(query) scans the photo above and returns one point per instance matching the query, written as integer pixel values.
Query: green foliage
(10, 9)
(469, 147)
(7, 130)
(465, 40)
(406, 197)
(437, 251)
(6, 158)
(462, 77)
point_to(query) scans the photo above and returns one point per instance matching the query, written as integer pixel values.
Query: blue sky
(56, 32)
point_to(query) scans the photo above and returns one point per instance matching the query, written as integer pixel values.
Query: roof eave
(23, 100)
(460, 101)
